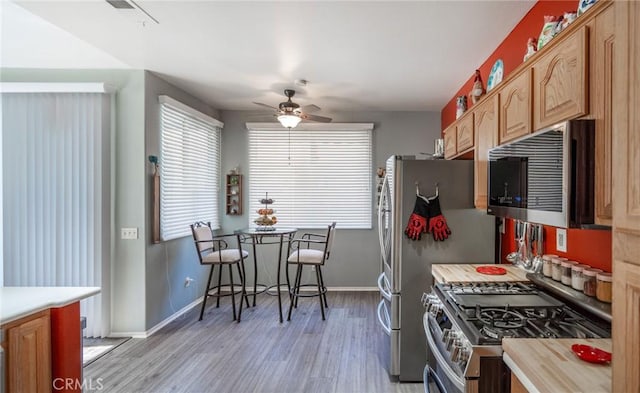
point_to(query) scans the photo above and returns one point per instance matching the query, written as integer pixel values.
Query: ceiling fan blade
(310, 108)
(265, 105)
(320, 119)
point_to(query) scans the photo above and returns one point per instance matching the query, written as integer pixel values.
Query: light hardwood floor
(343, 354)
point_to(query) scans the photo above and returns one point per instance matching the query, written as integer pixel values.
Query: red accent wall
(511, 50)
(592, 247)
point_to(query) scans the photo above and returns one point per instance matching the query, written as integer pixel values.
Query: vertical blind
(56, 195)
(189, 169)
(314, 175)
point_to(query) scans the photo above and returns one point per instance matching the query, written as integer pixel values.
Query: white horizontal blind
(189, 172)
(56, 195)
(314, 176)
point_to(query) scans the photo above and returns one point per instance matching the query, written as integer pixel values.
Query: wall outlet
(561, 240)
(129, 233)
(187, 281)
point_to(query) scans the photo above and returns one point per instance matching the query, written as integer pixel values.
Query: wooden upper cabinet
(626, 120)
(464, 133)
(601, 99)
(560, 81)
(515, 108)
(485, 118)
(450, 148)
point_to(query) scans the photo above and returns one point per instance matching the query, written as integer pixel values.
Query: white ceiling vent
(130, 9)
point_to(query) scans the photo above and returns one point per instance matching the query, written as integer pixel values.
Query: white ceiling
(356, 55)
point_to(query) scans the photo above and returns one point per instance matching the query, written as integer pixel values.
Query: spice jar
(546, 264)
(566, 271)
(589, 281)
(603, 287)
(556, 268)
(577, 280)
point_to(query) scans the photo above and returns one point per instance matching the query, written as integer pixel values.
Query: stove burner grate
(501, 318)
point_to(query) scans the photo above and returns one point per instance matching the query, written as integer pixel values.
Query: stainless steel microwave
(546, 177)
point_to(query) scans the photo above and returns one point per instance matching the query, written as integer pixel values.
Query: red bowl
(591, 354)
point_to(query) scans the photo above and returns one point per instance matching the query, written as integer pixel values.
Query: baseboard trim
(159, 326)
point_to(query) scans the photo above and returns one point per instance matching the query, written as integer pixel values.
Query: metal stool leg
(297, 285)
(241, 274)
(206, 293)
(244, 288)
(233, 296)
(218, 290)
(294, 291)
(320, 293)
(324, 294)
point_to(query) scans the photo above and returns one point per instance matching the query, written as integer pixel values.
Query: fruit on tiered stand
(266, 218)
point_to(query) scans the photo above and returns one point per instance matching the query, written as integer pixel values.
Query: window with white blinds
(315, 174)
(189, 169)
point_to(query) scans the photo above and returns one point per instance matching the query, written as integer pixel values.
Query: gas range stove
(489, 312)
(465, 325)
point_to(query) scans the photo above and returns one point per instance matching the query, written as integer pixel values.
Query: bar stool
(316, 253)
(214, 250)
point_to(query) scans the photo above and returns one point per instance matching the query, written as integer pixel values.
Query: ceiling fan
(289, 113)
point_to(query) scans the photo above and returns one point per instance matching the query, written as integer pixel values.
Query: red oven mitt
(418, 221)
(437, 223)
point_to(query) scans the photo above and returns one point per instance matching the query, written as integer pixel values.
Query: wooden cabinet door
(559, 81)
(601, 100)
(486, 130)
(626, 199)
(450, 147)
(29, 356)
(464, 133)
(515, 108)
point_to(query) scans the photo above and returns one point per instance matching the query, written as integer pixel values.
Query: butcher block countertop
(467, 273)
(549, 365)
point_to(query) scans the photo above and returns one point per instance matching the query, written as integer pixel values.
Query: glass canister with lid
(566, 271)
(577, 279)
(589, 281)
(546, 264)
(556, 268)
(603, 287)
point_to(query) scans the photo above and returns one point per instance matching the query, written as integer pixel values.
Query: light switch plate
(128, 233)
(561, 240)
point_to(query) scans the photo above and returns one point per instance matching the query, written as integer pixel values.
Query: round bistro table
(260, 236)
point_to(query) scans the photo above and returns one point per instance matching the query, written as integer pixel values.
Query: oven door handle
(428, 375)
(385, 326)
(383, 287)
(446, 368)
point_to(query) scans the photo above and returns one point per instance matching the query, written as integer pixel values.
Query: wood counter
(467, 273)
(549, 365)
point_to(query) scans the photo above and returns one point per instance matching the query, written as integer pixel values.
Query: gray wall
(355, 256)
(128, 203)
(167, 263)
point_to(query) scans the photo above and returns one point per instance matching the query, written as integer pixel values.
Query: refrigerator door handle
(381, 217)
(383, 286)
(384, 320)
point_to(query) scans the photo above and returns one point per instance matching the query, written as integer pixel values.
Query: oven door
(449, 380)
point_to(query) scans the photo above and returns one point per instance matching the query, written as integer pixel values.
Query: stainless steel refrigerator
(406, 264)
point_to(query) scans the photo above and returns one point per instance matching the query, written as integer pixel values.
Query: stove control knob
(464, 354)
(445, 335)
(453, 337)
(456, 351)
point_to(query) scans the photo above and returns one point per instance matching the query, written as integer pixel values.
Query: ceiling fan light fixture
(289, 121)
